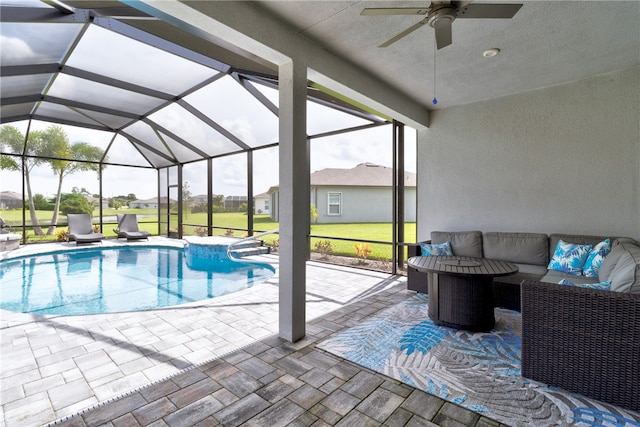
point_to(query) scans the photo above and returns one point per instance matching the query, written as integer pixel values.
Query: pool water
(108, 280)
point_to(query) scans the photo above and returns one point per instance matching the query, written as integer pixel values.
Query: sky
(340, 151)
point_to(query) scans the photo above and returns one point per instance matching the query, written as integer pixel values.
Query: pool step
(248, 248)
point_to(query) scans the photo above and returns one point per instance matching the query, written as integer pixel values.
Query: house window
(334, 207)
(266, 205)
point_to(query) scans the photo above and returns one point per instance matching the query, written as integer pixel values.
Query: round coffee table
(461, 289)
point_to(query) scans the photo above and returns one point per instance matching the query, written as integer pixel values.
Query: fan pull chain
(435, 100)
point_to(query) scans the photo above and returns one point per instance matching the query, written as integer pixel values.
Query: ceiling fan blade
(477, 10)
(443, 36)
(404, 33)
(374, 11)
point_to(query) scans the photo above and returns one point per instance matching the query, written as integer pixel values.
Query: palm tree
(13, 140)
(49, 146)
(59, 149)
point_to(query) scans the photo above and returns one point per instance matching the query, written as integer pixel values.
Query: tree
(186, 198)
(49, 146)
(41, 203)
(74, 203)
(217, 202)
(12, 140)
(57, 144)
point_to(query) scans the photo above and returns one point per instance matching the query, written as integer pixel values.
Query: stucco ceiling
(546, 43)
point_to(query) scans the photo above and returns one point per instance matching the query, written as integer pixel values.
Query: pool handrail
(246, 239)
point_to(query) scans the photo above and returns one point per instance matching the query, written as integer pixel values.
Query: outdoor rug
(479, 371)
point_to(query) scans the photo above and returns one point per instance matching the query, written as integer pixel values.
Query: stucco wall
(560, 159)
(361, 204)
(259, 205)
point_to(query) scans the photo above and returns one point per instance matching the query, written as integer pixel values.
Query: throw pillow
(569, 258)
(602, 285)
(595, 258)
(433, 249)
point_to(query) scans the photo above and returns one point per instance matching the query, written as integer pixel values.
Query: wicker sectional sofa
(580, 339)
(531, 252)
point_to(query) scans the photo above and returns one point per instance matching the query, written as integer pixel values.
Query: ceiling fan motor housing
(441, 16)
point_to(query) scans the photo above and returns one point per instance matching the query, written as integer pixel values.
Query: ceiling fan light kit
(441, 17)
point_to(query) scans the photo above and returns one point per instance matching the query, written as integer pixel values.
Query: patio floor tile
(218, 362)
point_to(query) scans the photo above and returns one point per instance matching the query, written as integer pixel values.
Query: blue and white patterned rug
(480, 371)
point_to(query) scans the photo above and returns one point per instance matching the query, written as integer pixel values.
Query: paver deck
(216, 362)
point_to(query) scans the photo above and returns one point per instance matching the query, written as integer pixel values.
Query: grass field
(226, 222)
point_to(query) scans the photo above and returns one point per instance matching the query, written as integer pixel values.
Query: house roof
(8, 195)
(363, 175)
(152, 200)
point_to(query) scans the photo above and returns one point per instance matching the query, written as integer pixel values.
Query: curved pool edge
(40, 248)
(10, 318)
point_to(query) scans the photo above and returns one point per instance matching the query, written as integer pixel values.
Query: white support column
(294, 199)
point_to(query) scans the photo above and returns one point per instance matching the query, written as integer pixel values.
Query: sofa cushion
(554, 276)
(596, 257)
(625, 276)
(610, 261)
(525, 248)
(605, 286)
(569, 257)
(525, 272)
(463, 243)
(432, 249)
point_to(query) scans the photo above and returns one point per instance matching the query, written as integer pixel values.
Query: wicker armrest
(582, 340)
(416, 280)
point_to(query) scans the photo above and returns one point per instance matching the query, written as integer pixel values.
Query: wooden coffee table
(461, 289)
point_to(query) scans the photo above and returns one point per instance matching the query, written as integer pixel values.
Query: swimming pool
(108, 280)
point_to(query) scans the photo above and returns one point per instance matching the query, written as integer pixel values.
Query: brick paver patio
(217, 362)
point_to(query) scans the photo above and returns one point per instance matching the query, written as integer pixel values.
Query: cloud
(16, 51)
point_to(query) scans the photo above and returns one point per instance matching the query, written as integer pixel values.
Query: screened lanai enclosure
(110, 110)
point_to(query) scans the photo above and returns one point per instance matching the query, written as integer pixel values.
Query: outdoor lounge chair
(4, 226)
(128, 227)
(81, 229)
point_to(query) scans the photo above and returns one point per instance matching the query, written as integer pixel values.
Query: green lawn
(237, 220)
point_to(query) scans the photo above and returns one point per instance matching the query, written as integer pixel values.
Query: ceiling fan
(441, 14)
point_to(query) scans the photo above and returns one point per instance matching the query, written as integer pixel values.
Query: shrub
(362, 251)
(200, 231)
(62, 235)
(75, 204)
(324, 248)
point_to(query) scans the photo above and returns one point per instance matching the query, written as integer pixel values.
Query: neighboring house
(200, 199)
(94, 201)
(10, 200)
(150, 203)
(262, 203)
(234, 202)
(360, 194)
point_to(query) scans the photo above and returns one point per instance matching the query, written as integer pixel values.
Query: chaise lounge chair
(128, 227)
(81, 230)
